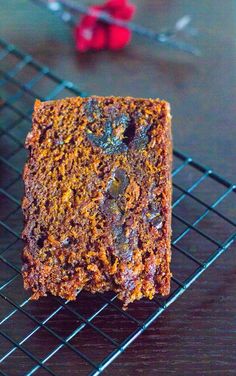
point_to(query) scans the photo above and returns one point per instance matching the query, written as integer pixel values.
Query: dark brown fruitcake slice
(97, 202)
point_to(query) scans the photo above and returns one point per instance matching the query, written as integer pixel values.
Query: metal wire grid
(91, 321)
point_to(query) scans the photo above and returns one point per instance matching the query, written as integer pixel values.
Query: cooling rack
(72, 331)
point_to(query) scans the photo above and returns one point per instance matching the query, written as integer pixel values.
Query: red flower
(94, 34)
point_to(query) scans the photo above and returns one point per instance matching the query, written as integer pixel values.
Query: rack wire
(91, 321)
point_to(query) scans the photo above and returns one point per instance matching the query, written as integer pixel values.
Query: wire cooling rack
(44, 337)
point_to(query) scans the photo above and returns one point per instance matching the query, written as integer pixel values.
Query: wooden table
(197, 335)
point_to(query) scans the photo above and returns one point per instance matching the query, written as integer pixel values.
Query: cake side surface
(97, 202)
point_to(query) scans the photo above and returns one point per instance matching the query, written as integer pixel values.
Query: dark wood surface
(197, 334)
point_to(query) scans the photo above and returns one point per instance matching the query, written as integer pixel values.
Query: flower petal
(99, 40)
(120, 9)
(119, 37)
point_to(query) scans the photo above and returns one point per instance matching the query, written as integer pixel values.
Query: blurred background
(201, 90)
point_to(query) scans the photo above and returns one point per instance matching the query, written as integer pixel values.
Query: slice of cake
(97, 202)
